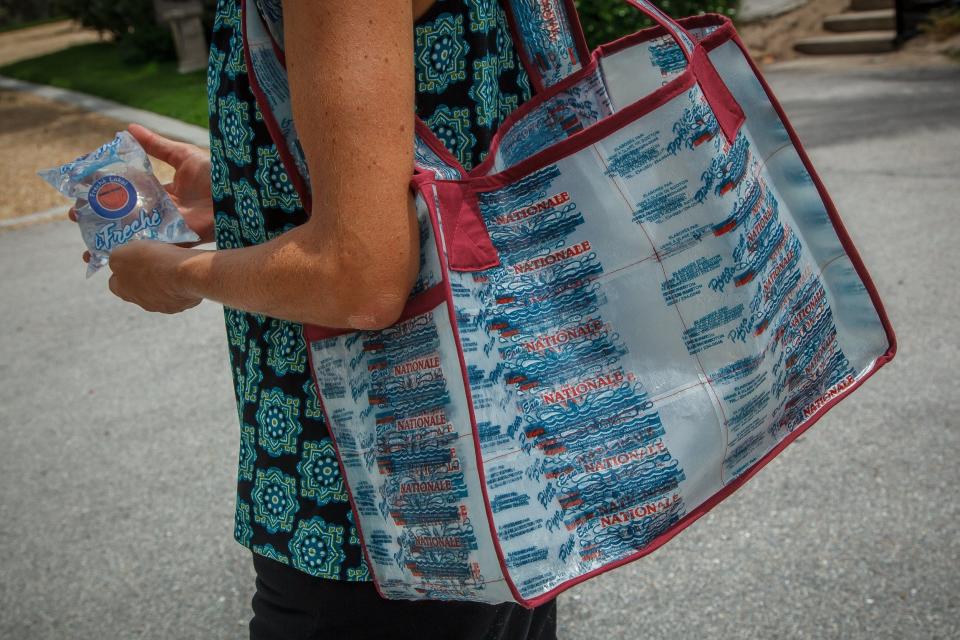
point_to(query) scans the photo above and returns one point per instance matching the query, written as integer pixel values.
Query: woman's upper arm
(350, 67)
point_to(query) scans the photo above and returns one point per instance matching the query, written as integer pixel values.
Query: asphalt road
(119, 436)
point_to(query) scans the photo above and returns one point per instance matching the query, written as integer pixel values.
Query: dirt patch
(927, 44)
(46, 38)
(772, 39)
(36, 134)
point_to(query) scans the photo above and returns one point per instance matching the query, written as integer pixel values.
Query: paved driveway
(119, 436)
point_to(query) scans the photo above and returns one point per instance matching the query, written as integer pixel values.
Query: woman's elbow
(359, 310)
(374, 276)
(376, 309)
(374, 297)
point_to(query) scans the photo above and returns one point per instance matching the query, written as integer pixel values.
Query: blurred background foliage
(606, 20)
(18, 13)
(133, 25)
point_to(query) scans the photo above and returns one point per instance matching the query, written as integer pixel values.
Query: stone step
(871, 5)
(876, 20)
(861, 42)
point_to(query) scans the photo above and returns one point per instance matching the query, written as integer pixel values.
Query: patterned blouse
(292, 504)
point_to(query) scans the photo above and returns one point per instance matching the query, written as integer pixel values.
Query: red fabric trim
(420, 303)
(715, 39)
(421, 177)
(657, 31)
(831, 208)
(663, 19)
(536, 80)
(573, 19)
(587, 136)
(728, 113)
(724, 493)
(469, 247)
(714, 500)
(272, 127)
(426, 134)
(312, 332)
(572, 145)
(469, 396)
(484, 167)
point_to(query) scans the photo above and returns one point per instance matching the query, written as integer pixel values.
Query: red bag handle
(682, 37)
(469, 247)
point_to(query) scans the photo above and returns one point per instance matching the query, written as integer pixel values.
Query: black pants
(291, 605)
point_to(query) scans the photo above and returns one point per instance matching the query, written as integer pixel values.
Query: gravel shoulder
(36, 134)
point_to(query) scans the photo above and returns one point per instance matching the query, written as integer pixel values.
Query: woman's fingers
(159, 147)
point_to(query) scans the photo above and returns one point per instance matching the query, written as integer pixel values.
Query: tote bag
(637, 300)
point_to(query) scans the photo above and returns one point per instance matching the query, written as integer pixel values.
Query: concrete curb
(166, 126)
(53, 213)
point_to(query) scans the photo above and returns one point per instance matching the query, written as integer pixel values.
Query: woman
(357, 71)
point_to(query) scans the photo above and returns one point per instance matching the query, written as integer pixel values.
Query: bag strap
(551, 42)
(467, 240)
(680, 35)
(549, 38)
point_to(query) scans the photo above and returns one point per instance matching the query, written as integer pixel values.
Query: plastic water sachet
(118, 199)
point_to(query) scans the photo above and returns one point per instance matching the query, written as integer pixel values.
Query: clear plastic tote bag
(638, 299)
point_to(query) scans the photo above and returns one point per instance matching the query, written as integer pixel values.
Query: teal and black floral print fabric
(292, 503)
(469, 77)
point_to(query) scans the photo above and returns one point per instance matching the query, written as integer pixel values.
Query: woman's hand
(145, 272)
(190, 189)
(354, 262)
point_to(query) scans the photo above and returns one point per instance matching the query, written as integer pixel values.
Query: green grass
(97, 69)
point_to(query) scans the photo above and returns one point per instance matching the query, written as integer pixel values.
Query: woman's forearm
(353, 263)
(296, 277)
